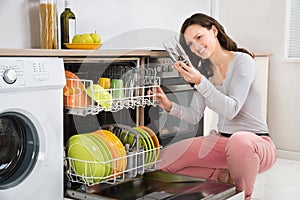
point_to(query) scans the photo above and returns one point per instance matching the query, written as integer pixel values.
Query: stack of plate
(138, 138)
(115, 147)
(96, 156)
(154, 139)
(99, 156)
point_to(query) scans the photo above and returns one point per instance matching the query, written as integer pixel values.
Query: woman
(231, 88)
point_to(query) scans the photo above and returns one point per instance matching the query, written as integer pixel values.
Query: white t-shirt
(238, 101)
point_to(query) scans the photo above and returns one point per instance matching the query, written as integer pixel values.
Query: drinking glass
(175, 50)
(117, 87)
(104, 82)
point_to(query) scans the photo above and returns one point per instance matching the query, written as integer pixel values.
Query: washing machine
(31, 128)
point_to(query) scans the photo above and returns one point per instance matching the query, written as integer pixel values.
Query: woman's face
(200, 40)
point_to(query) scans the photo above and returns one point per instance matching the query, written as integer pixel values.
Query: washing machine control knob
(10, 76)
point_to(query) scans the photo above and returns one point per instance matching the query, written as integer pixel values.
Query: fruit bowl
(83, 45)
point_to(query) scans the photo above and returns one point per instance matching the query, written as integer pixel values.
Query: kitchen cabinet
(263, 64)
(262, 61)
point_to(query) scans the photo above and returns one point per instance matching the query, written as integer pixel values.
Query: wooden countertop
(80, 53)
(90, 53)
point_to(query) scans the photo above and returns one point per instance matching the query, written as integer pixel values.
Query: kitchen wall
(121, 24)
(135, 23)
(260, 26)
(257, 25)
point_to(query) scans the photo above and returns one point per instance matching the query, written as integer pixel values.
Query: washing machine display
(31, 128)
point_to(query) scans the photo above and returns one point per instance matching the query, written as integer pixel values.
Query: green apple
(96, 37)
(86, 39)
(75, 39)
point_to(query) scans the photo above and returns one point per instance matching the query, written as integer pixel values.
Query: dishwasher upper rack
(82, 98)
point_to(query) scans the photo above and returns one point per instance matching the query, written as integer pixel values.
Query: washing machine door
(19, 146)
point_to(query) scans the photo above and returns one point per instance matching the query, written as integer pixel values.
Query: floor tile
(282, 181)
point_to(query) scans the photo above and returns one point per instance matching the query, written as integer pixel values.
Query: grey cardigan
(238, 101)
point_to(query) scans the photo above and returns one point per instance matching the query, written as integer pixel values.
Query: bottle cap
(67, 4)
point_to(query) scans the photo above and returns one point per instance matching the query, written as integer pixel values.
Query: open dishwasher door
(160, 185)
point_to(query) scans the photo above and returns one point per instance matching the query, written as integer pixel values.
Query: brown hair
(207, 22)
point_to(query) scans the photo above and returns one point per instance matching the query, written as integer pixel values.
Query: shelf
(83, 97)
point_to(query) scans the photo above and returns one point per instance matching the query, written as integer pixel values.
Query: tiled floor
(280, 182)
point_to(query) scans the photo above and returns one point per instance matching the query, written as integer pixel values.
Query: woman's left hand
(188, 72)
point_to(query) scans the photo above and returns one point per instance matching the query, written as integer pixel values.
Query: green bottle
(67, 25)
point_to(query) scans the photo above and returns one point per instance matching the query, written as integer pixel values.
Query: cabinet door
(210, 121)
(263, 65)
(211, 118)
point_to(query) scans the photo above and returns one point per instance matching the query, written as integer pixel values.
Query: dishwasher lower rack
(135, 163)
(83, 97)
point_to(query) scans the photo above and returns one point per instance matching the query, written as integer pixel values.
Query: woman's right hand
(161, 98)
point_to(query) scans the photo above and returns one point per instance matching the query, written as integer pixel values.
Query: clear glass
(48, 24)
(175, 50)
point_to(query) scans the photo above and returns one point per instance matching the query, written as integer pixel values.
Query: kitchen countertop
(92, 53)
(81, 53)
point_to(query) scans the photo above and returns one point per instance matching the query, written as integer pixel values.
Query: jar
(48, 24)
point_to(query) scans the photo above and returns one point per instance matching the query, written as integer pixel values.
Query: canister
(48, 24)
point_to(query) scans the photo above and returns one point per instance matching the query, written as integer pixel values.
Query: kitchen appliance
(139, 181)
(31, 128)
(120, 115)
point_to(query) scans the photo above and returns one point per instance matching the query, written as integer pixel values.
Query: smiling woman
(233, 91)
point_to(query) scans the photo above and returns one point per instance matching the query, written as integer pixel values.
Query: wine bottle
(67, 25)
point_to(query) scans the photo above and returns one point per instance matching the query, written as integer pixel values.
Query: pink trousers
(244, 154)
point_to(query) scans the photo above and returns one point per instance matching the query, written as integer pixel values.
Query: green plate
(111, 148)
(107, 156)
(87, 152)
(127, 137)
(149, 143)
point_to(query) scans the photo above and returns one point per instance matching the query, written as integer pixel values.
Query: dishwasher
(110, 153)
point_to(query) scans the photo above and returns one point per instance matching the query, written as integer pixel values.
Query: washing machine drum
(19, 148)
